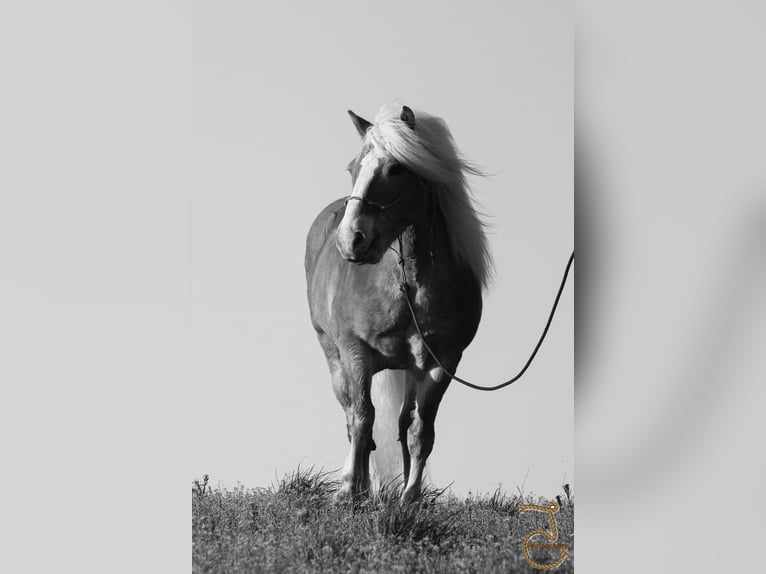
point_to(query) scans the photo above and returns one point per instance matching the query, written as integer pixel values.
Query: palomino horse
(409, 215)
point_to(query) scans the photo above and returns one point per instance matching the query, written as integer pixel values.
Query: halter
(378, 206)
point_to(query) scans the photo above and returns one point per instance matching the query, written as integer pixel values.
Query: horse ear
(408, 117)
(362, 125)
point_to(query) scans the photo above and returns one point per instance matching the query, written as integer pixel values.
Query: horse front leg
(351, 383)
(420, 434)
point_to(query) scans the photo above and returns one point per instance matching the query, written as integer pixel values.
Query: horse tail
(387, 393)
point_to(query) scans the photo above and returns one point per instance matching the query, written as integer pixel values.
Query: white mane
(430, 152)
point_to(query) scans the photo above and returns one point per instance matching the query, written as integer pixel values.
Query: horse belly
(383, 325)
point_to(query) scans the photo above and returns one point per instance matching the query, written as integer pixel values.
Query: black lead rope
(404, 287)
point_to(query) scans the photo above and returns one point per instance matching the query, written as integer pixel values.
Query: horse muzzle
(355, 246)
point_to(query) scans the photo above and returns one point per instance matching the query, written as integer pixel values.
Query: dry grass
(295, 526)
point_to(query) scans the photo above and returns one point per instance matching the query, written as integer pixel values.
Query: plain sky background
(271, 141)
(107, 400)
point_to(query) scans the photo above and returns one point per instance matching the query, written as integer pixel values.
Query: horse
(409, 223)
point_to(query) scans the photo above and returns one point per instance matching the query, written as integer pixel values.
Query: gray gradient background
(100, 333)
(670, 194)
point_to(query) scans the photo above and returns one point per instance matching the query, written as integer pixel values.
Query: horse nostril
(358, 239)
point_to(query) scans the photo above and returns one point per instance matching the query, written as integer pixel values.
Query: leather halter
(375, 204)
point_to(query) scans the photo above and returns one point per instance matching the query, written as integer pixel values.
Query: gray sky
(271, 142)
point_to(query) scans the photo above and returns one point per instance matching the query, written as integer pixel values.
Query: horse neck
(425, 241)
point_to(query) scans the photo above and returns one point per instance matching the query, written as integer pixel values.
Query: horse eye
(396, 169)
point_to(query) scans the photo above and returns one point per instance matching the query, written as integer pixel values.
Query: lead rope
(405, 288)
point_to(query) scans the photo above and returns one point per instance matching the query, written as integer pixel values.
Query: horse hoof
(348, 494)
(343, 495)
(410, 496)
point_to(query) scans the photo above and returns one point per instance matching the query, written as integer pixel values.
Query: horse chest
(391, 332)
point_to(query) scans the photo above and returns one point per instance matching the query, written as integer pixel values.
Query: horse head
(382, 202)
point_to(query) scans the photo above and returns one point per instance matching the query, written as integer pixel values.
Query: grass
(295, 526)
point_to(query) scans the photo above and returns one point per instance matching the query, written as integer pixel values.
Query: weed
(296, 526)
(200, 488)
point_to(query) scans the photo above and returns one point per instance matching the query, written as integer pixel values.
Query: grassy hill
(295, 526)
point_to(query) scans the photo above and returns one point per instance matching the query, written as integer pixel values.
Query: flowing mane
(430, 152)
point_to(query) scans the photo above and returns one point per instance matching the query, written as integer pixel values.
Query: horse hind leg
(405, 420)
(420, 433)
